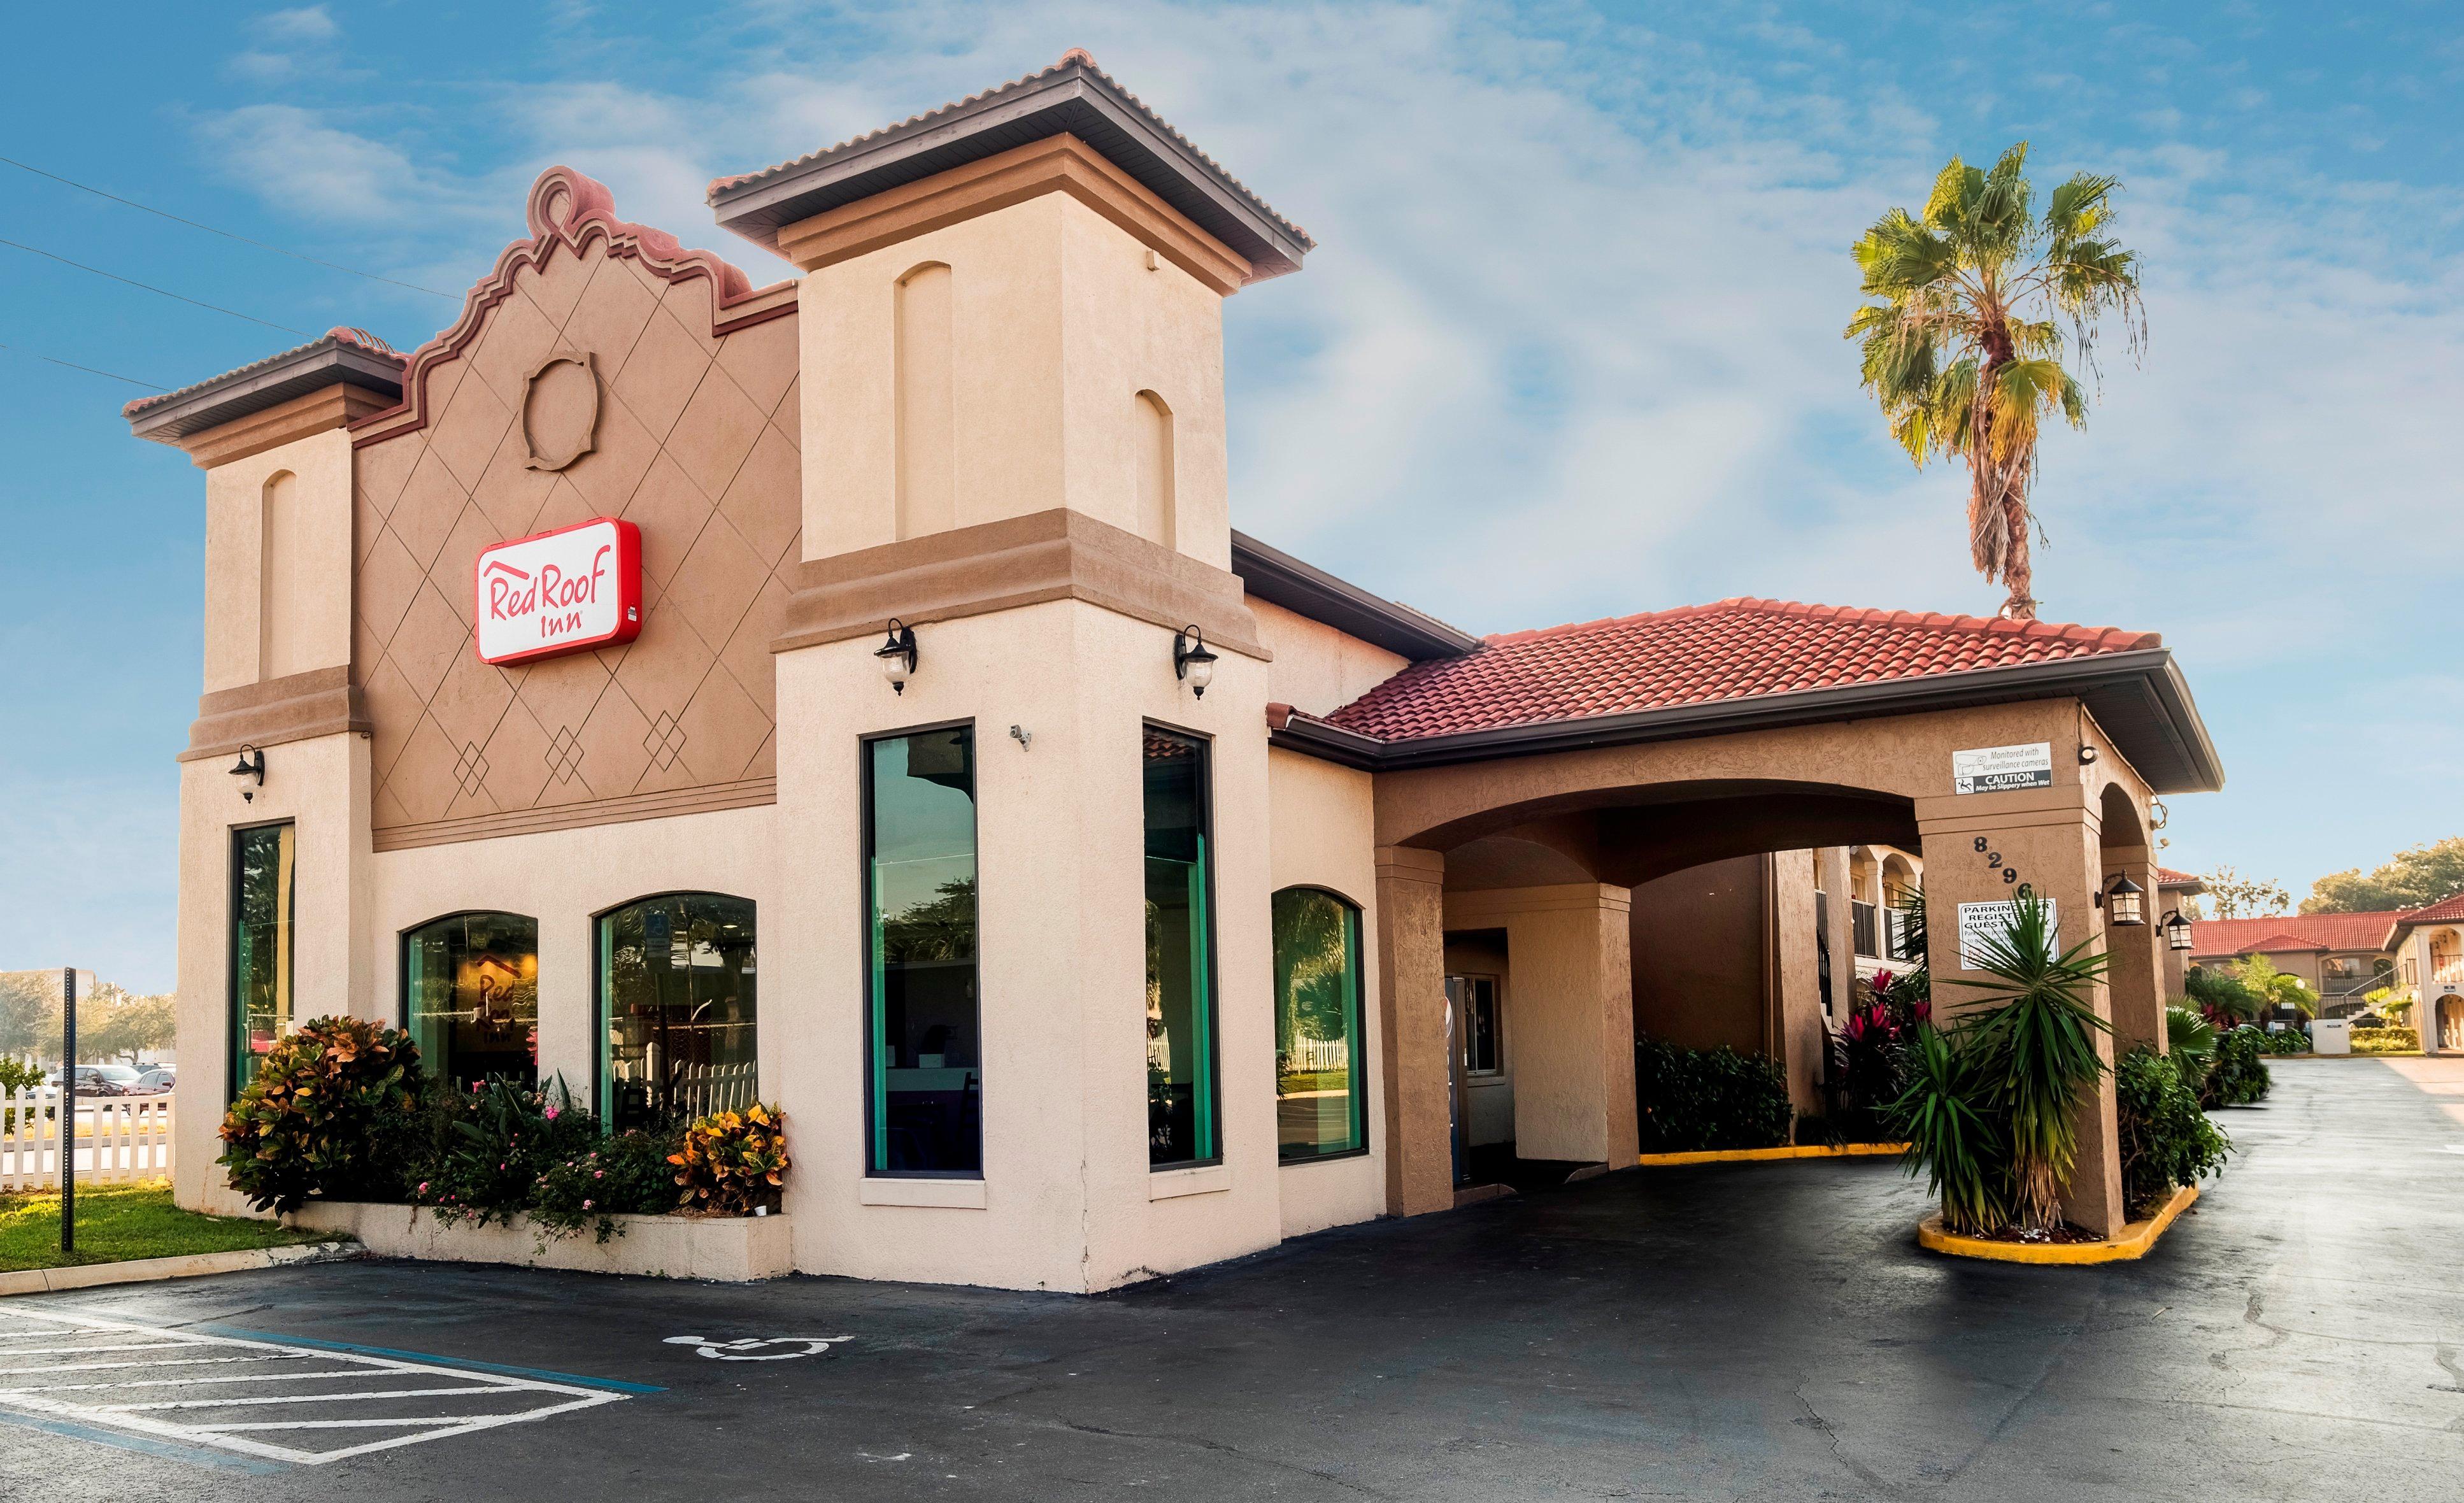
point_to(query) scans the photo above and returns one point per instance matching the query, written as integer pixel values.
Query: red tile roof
(1735, 648)
(2276, 934)
(2166, 877)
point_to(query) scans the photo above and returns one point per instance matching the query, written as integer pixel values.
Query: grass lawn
(119, 1222)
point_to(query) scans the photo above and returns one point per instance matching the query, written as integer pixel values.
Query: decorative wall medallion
(561, 410)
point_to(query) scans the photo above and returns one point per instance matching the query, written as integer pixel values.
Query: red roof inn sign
(563, 591)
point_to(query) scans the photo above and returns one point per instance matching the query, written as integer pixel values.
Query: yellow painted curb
(2135, 1240)
(1751, 1155)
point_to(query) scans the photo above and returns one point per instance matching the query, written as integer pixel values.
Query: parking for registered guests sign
(1997, 769)
(1980, 923)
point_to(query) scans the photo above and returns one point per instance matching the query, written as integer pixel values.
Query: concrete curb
(1757, 1155)
(141, 1271)
(2134, 1241)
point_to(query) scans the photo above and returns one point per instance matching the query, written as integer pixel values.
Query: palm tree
(1975, 306)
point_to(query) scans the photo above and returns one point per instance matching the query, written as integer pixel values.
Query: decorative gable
(601, 370)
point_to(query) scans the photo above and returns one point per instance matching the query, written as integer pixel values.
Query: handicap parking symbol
(759, 1348)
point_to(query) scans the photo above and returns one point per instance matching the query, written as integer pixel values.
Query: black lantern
(250, 764)
(2124, 904)
(2177, 931)
(897, 656)
(1192, 661)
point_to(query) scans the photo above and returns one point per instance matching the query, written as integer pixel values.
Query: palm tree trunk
(2017, 572)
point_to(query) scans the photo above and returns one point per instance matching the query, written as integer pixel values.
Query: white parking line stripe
(173, 1361)
(246, 1400)
(337, 1365)
(81, 1351)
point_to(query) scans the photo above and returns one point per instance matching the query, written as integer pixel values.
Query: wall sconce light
(1191, 660)
(2124, 904)
(250, 764)
(897, 656)
(2177, 930)
(2087, 756)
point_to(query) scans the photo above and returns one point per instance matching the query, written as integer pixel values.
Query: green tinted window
(470, 996)
(264, 902)
(924, 1097)
(1180, 969)
(677, 990)
(1319, 1093)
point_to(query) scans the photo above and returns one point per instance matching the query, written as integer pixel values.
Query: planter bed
(732, 1249)
(2133, 1241)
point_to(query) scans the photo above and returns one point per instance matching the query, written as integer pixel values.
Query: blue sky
(1570, 348)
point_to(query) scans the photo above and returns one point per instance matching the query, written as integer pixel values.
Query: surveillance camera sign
(563, 591)
(1997, 769)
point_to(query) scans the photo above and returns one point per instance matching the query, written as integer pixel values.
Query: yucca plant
(1948, 1116)
(2038, 1045)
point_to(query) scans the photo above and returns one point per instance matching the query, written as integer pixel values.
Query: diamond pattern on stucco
(696, 445)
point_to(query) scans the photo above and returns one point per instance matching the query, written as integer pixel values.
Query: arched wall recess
(927, 403)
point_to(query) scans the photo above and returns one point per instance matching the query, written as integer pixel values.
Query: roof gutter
(1279, 579)
(2140, 698)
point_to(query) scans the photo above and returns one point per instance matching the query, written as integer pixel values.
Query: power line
(336, 266)
(88, 369)
(150, 287)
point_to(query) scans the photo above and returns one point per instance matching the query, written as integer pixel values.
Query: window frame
(1214, 1033)
(236, 1011)
(599, 1050)
(1354, 946)
(864, 937)
(401, 967)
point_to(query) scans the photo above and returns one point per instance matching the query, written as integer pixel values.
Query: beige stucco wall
(1319, 836)
(1057, 324)
(312, 623)
(1574, 1012)
(1317, 668)
(1700, 937)
(322, 786)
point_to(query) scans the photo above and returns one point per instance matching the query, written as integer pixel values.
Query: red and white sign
(561, 591)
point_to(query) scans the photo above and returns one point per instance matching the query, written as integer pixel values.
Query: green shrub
(1689, 1100)
(504, 1138)
(2288, 1041)
(307, 1124)
(2221, 996)
(2387, 1041)
(2237, 1077)
(629, 1174)
(2165, 1139)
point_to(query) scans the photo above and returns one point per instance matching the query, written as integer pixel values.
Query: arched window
(675, 989)
(470, 996)
(1156, 519)
(1321, 1095)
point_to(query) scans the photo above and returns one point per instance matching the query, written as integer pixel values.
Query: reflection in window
(676, 985)
(1319, 1093)
(1475, 1004)
(264, 903)
(926, 1093)
(470, 996)
(1180, 972)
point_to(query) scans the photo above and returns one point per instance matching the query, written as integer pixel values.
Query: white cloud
(307, 23)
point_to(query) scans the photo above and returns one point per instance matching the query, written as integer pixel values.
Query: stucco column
(2136, 975)
(1982, 848)
(1571, 999)
(1831, 874)
(1412, 1019)
(1793, 991)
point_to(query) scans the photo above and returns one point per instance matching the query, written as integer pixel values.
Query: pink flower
(599, 1174)
(551, 1114)
(586, 1204)
(423, 1186)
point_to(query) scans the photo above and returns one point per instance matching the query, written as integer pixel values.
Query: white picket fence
(1309, 1057)
(117, 1138)
(704, 1089)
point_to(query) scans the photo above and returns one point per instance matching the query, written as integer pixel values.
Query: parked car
(101, 1080)
(159, 1079)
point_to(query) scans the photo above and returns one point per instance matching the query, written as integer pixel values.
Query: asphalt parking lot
(1764, 1331)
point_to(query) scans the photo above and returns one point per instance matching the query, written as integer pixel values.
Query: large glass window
(264, 902)
(1181, 967)
(925, 1096)
(470, 996)
(1320, 1097)
(675, 987)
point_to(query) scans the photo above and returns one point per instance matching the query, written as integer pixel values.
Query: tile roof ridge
(1074, 57)
(339, 334)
